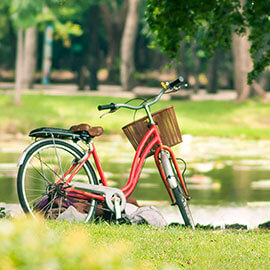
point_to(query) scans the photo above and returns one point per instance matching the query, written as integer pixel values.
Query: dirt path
(116, 91)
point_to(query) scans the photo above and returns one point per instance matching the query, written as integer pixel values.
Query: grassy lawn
(36, 244)
(204, 118)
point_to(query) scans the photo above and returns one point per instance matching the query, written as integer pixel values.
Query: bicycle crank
(115, 205)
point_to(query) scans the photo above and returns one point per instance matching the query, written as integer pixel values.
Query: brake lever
(110, 111)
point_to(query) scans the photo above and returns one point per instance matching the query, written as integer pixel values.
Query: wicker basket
(167, 124)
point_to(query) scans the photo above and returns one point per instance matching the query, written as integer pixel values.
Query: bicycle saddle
(92, 131)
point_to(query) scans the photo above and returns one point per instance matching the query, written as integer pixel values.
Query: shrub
(30, 244)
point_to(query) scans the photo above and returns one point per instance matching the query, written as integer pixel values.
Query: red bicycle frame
(142, 151)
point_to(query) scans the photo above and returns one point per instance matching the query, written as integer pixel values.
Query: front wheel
(39, 190)
(178, 193)
(182, 204)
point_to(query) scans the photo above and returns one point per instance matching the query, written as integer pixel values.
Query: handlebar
(113, 107)
(174, 85)
(110, 106)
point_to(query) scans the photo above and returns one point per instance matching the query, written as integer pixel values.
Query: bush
(30, 244)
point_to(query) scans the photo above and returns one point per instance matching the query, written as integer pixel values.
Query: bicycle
(55, 172)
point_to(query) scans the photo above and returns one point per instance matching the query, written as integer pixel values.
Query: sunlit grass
(201, 118)
(36, 244)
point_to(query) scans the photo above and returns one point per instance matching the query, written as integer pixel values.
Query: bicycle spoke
(53, 171)
(59, 162)
(60, 205)
(41, 163)
(52, 201)
(34, 189)
(36, 199)
(39, 174)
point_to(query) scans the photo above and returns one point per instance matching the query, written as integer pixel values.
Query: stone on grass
(72, 214)
(236, 226)
(265, 225)
(12, 209)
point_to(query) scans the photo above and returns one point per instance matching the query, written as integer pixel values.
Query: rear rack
(66, 134)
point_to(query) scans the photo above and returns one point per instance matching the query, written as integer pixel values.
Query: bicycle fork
(167, 173)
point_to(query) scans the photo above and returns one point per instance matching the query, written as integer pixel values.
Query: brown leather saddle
(92, 131)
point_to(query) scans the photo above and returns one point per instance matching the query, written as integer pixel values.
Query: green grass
(250, 119)
(36, 244)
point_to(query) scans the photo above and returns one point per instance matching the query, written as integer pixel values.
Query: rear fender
(24, 153)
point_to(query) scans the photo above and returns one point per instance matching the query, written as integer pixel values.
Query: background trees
(24, 17)
(217, 21)
(110, 41)
(128, 44)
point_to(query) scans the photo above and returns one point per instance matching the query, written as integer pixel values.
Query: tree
(26, 15)
(7, 38)
(113, 15)
(212, 72)
(93, 47)
(29, 57)
(183, 68)
(19, 64)
(218, 20)
(196, 65)
(128, 44)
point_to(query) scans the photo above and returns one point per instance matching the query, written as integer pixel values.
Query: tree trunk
(213, 64)
(93, 48)
(184, 70)
(196, 61)
(113, 18)
(19, 67)
(13, 43)
(82, 75)
(242, 66)
(47, 54)
(113, 56)
(30, 57)
(128, 44)
(182, 67)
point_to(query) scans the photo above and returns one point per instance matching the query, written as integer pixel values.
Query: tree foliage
(61, 13)
(215, 20)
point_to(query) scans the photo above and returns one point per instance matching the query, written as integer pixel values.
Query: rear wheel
(177, 190)
(39, 194)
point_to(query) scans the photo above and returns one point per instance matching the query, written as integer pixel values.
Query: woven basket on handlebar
(167, 124)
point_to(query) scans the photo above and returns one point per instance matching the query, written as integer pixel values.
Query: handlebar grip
(106, 107)
(178, 81)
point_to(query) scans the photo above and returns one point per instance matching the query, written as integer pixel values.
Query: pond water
(228, 179)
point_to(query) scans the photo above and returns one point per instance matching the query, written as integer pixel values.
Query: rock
(204, 227)
(236, 226)
(265, 225)
(148, 214)
(176, 224)
(72, 214)
(12, 209)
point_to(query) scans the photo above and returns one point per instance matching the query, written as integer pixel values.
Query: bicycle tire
(179, 196)
(183, 206)
(42, 166)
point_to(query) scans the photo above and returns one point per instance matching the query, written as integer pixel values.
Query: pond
(228, 179)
